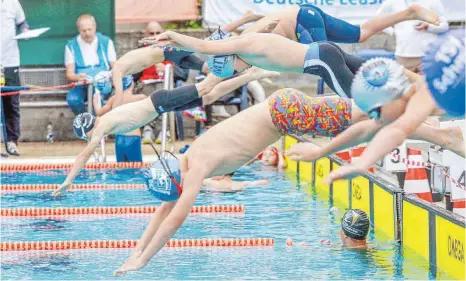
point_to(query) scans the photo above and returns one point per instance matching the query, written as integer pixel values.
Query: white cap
(378, 81)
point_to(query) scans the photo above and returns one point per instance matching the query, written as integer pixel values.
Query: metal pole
(166, 86)
(172, 114)
(90, 91)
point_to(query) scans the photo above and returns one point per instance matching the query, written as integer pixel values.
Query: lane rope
(39, 212)
(126, 244)
(14, 188)
(59, 166)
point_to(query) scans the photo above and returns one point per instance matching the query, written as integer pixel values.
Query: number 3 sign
(393, 161)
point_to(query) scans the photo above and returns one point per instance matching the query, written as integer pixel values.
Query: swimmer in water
(270, 157)
(354, 228)
(134, 115)
(398, 108)
(226, 184)
(226, 147)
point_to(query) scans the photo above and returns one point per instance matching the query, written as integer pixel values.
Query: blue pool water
(280, 210)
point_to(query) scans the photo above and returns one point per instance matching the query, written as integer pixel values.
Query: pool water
(280, 210)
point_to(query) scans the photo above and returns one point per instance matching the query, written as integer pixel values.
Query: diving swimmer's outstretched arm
(122, 119)
(227, 46)
(391, 136)
(191, 186)
(133, 62)
(82, 158)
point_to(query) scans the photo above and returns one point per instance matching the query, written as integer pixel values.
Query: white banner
(221, 12)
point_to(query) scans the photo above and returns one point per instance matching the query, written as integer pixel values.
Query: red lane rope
(58, 166)
(123, 210)
(13, 188)
(39, 88)
(125, 244)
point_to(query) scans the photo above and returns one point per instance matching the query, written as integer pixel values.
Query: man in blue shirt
(86, 55)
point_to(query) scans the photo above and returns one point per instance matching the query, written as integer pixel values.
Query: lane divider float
(129, 210)
(13, 188)
(126, 244)
(59, 166)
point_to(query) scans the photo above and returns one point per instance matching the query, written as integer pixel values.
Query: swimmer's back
(237, 139)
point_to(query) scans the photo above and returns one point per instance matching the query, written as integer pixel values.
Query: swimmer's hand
(61, 189)
(162, 40)
(304, 152)
(345, 172)
(130, 265)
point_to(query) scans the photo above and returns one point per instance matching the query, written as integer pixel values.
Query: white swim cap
(378, 81)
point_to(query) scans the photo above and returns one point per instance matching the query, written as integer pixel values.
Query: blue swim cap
(377, 82)
(222, 66)
(103, 82)
(443, 66)
(159, 181)
(82, 124)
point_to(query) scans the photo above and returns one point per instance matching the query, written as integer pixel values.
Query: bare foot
(252, 16)
(258, 73)
(455, 141)
(420, 13)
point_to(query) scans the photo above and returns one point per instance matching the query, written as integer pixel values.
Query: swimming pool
(283, 209)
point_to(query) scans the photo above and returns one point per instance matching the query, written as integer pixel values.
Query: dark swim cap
(162, 179)
(355, 224)
(82, 124)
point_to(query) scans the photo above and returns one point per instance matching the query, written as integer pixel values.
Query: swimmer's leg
(448, 138)
(352, 62)
(327, 61)
(227, 86)
(381, 22)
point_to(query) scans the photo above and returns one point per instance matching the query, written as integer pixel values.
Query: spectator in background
(147, 84)
(86, 55)
(12, 17)
(412, 37)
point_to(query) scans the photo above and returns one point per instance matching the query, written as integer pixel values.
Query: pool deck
(66, 152)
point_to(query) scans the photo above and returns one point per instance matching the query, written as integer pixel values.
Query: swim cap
(103, 82)
(377, 82)
(160, 179)
(82, 124)
(355, 224)
(443, 66)
(222, 66)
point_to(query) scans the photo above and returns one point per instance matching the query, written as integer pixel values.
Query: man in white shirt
(12, 17)
(86, 55)
(412, 37)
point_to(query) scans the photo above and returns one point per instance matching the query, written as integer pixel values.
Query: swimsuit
(295, 113)
(336, 67)
(313, 25)
(182, 58)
